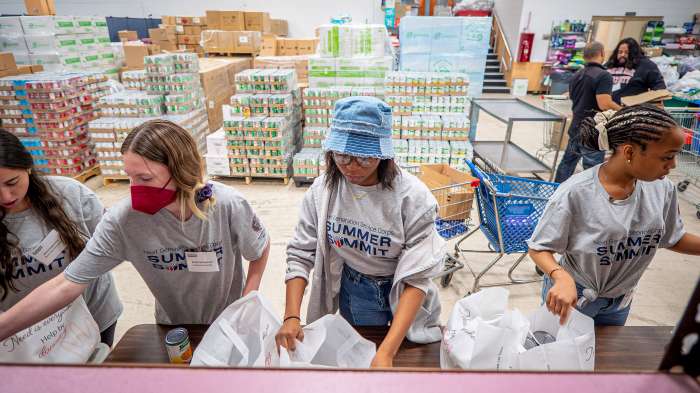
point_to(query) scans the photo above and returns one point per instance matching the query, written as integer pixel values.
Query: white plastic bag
(483, 334)
(67, 336)
(244, 335)
(237, 336)
(328, 342)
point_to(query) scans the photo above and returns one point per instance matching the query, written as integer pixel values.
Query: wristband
(292, 317)
(554, 270)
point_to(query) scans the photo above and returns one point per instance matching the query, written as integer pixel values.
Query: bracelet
(292, 317)
(554, 270)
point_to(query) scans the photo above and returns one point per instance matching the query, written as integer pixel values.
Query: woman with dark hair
(367, 230)
(186, 237)
(633, 73)
(609, 220)
(51, 212)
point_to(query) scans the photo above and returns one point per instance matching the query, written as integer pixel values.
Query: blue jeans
(604, 311)
(574, 152)
(364, 300)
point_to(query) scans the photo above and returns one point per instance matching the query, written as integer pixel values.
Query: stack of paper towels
(352, 40)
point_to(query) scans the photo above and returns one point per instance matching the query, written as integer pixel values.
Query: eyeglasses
(345, 159)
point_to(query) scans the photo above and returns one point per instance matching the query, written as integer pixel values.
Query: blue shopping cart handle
(475, 171)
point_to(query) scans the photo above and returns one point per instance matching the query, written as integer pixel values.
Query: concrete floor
(660, 299)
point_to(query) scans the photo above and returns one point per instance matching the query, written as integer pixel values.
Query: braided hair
(638, 124)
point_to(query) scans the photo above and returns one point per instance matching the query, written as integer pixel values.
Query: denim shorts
(364, 300)
(604, 311)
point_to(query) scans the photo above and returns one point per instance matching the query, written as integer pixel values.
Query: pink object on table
(115, 379)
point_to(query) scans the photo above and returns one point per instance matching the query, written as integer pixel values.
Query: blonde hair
(167, 143)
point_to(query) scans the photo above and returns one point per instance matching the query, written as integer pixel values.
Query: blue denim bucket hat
(361, 127)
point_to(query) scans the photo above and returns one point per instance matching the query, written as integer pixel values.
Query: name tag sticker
(202, 262)
(49, 249)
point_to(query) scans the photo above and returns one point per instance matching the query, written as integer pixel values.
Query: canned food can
(177, 342)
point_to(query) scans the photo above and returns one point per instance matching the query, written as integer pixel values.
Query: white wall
(547, 12)
(303, 15)
(509, 12)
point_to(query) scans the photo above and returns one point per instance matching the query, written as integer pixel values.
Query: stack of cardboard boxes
(217, 76)
(188, 31)
(134, 53)
(8, 66)
(165, 37)
(238, 32)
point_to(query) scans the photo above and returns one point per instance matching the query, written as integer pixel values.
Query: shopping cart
(454, 216)
(560, 105)
(688, 163)
(509, 210)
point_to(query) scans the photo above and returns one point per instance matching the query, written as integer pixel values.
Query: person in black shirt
(632, 72)
(590, 91)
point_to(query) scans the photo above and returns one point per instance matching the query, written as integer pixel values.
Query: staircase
(494, 81)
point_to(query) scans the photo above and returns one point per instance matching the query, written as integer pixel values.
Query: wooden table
(618, 348)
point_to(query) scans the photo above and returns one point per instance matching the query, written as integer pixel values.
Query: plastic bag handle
(235, 340)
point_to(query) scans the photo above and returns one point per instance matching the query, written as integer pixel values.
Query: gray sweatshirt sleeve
(418, 225)
(552, 232)
(674, 229)
(301, 250)
(103, 252)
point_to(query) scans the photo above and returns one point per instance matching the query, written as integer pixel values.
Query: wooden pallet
(249, 179)
(107, 180)
(88, 174)
(230, 54)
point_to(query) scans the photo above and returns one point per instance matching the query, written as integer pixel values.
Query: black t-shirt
(588, 82)
(630, 82)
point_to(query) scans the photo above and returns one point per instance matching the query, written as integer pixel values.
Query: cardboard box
(214, 77)
(269, 45)
(652, 96)
(193, 30)
(25, 69)
(7, 61)
(127, 35)
(226, 20)
(257, 21)
(456, 202)
(134, 54)
(188, 39)
(163, 34)
(279, 27)
(217, 41)
(298, 63)
(168, 20)
(215, 111)
(40, 7)
(190, 20)
(37, 68)
(166, 45)
(296, 47)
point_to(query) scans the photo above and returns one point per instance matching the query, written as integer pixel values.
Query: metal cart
(509, 210)
(505, 156)
(687, 170)
(551, 135)
(454, 217)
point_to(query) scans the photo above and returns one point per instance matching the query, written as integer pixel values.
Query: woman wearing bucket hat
(367, 231)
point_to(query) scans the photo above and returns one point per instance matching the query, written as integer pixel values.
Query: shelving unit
(560, 41)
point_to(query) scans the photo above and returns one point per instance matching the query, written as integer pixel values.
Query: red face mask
(150, 200)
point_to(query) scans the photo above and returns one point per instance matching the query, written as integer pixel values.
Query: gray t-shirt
(156, 246)
(608, 245)
(370, 227)
(85, 210)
